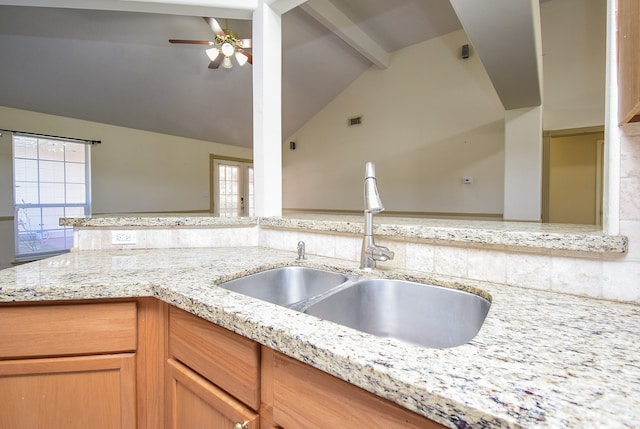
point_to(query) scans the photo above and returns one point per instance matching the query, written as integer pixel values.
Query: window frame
(33, 234)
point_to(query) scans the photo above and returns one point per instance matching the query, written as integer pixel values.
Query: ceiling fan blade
(246, 43)
(192, 42)
(214, 26)
(216, 63)
(246, 54)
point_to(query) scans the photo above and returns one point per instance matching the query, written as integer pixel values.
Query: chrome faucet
(300, 250)
(372, 204)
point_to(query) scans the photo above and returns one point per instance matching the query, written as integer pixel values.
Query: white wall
(131, 170)
(574, 44)
(523, 165)
(6, 202)
(428, 120)
(6, 243)
(431, 119)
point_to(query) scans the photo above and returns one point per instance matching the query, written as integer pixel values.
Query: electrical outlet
(123, 237)
(124, 262)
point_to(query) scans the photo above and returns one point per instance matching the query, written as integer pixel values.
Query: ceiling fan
(225, 45)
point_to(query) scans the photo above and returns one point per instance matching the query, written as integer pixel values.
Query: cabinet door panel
(628, 61)
(196, 403)
(305, 397)
(71, 393)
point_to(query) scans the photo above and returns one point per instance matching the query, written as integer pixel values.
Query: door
(232, 188)
(197, 403)
(573, 173)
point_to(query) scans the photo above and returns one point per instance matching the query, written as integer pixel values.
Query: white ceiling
(118, 67)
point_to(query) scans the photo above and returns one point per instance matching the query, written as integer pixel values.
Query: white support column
(267, 110)
(523, 164)
(611, 186)
(523, 145)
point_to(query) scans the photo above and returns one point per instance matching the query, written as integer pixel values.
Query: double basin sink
(422, 314)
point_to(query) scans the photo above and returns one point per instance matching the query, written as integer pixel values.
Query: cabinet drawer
(228, 360)
(67, 329)
(305, 397)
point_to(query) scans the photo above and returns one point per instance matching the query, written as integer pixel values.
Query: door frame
(212, 159)
(599, 180)
(546, 165)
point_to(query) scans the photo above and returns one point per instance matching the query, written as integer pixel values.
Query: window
(51, 180)
(233, 188)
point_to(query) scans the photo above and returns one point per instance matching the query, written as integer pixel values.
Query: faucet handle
(301, 249)
(381, 253)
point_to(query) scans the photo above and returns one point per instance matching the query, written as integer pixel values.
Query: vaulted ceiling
(118, 68)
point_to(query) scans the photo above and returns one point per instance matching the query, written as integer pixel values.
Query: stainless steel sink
(431, 316)
(287, 285)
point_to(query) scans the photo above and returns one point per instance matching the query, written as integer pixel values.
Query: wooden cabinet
(213, 376)
(218, 379)
(68, 366)
(296, 395)
(628, 61)
(146, 365)
(195, 402)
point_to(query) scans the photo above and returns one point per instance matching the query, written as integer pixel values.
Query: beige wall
(131, 170)
(428, 120)
(6, 243)
(431, 119)
(574, 43)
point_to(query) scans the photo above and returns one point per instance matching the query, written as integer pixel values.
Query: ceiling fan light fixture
(213, 53)
(227, 49)
(224, 45)
(241, 58)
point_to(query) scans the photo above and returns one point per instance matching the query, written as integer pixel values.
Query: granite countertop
(524, 235)
(164, 221)
(532, 236)
(541, 359)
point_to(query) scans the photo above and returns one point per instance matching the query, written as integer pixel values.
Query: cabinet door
(196, 403)
(71, 393)
(628, 61)
(304, 397)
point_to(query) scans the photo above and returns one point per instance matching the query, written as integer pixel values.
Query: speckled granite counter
(531, 235)
(157, 221)
(541, 359)
(522, 235)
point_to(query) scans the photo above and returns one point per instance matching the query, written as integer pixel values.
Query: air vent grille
(356, 120)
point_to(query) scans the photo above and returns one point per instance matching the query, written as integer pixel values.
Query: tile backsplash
(596, 276)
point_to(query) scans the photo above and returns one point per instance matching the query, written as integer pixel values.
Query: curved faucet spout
(371, 252)
(372, 201)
